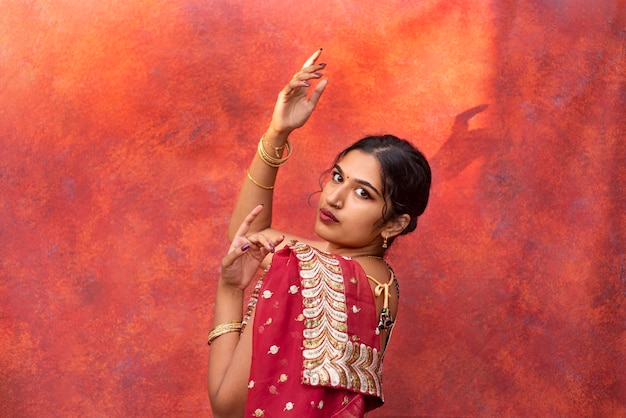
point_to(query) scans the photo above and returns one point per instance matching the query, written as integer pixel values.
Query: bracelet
(276, 149)
(272, 161)
(224, 328)
(258, 184)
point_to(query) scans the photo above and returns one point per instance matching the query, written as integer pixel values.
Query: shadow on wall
(463, 146)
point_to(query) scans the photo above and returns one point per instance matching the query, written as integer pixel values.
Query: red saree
(316, 351)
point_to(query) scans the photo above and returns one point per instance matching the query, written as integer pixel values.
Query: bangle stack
(224, 328)
(270, 160)
(276, 149)
(273, 161)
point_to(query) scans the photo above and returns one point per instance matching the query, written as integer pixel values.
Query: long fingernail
(306, 83)
(272, 248)
(318, 74)
(245, 247)
(322, 65)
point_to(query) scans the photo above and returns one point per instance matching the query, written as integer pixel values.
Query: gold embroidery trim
(330, 358)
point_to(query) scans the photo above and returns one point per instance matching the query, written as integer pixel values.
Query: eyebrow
(361, 182)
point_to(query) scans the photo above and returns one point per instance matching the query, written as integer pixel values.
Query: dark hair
(405, 176)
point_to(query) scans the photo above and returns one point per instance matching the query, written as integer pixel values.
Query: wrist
(226, 289)
(277, 135)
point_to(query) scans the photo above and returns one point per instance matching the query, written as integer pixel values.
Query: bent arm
(230, 356)
(229, 362)
(291, 111)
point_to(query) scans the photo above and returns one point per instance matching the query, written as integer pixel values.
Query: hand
(293, 108)
(246, 253)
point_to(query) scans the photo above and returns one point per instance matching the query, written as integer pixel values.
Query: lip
(327, 216)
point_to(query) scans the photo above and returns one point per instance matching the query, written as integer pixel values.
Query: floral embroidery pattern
(273, 349)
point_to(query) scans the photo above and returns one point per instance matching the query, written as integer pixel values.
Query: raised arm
(293, 108)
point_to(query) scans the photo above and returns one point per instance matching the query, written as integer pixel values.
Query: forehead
(358, 165)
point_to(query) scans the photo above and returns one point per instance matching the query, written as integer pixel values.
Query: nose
(335, 195)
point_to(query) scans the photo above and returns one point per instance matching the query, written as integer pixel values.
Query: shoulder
(376, 268)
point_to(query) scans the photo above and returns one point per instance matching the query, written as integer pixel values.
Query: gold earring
(384, 242)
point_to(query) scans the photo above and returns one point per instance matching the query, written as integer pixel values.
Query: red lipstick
(327, 216)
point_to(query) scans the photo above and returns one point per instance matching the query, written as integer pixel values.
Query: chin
(317, 231)
(321, 232)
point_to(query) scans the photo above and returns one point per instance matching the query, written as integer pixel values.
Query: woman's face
(351, 204)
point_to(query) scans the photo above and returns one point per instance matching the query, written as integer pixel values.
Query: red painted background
(126, 127)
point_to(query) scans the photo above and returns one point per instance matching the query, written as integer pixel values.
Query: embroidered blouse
(316, 344)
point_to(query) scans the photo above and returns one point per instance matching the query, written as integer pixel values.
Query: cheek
(376, 217)
(367, 216)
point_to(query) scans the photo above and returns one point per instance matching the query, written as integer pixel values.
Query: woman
(320, 317)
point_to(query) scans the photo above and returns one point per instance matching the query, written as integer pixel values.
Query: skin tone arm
(229, 362)
(293, 108)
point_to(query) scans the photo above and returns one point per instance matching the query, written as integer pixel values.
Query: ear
(396, 226)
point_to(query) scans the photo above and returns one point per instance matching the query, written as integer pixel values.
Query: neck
(369, 251)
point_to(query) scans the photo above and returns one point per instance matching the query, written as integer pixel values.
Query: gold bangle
(268, 159)
(258, 184)
(276, 149)
(224, 328)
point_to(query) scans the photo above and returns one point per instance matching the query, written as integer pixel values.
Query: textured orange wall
(126, 127)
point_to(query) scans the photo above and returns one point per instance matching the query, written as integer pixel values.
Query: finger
(311, 69)
(237, 250)
(278, 240)
(308, 73)
(317, 92)
(294, 87)
(262, 242)
(308, 76)
(312, 58)
(301, 81)
(234, 254)
(245, 225)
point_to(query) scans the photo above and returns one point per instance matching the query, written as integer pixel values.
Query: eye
(363, 193)
(337, 177)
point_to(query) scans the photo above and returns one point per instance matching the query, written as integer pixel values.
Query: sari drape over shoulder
(316, 349)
